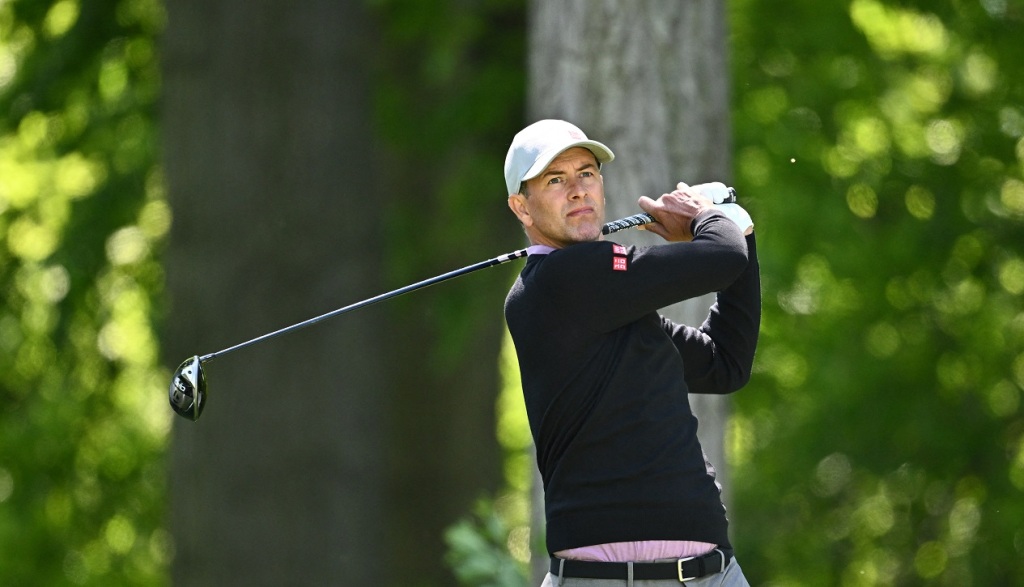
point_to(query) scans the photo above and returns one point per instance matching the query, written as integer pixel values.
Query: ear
(517, 203)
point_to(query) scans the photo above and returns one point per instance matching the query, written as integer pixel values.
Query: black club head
(187, 392)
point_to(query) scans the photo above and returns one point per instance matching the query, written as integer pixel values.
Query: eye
(554, 180)
(587, 174)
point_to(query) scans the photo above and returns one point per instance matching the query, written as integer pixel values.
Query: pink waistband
(646, 550)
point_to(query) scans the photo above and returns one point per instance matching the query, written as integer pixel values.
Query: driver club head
(187, 392)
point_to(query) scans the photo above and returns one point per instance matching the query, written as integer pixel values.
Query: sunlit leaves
(832, 475)
(148, 15)
(1003, 399)
(979, 73)
(41, 184)
(893, 31)
(513, 506)
(789, 369)
(862, 200)
(920, 202)
(18, 41)
(817, 289)
(479, 548)
(61, 17)
(894, 317)
(945, 140)
(930, 560)
(81, 220)
(1017, 467)
(113, 79)
(1011, 197)
(1011, 276)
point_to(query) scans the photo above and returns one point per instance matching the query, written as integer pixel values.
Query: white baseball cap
(534, 147)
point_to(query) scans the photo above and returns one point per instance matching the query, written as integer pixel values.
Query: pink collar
(539, 250)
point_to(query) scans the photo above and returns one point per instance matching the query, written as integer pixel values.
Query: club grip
(627, 222)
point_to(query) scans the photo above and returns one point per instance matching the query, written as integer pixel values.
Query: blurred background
(180, 176)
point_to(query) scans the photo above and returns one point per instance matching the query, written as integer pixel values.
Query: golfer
(630, 498)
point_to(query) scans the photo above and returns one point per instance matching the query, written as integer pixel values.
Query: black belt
(682, 570)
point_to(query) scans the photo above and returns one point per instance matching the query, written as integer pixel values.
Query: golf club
(187, 392)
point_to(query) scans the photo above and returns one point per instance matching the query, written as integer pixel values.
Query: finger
(682, 186)
(648, 205)
(657, 229)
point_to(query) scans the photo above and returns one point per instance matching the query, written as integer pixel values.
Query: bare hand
(674, 212)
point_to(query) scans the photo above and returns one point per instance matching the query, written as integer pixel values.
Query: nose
(577, 189)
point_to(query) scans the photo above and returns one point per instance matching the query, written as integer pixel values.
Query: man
(628, 492)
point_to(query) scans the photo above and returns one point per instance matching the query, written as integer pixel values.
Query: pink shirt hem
(646, 550)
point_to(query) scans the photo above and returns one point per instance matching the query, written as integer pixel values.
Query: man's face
(565, 203)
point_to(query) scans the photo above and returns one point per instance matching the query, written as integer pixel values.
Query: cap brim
(600, 151)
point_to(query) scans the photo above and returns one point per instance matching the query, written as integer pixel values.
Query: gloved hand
(719, 193)
(716, 191)
(738, 215)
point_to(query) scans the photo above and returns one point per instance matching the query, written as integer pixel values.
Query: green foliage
(478, 551)
(493, 546)
(450, 94)
(880, 147)
(82, 216)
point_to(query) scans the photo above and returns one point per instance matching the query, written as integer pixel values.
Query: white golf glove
(719, 193)
(715, 190)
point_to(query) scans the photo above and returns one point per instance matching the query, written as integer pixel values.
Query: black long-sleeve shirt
(605, 378)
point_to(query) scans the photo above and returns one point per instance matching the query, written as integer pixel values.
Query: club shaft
(615, 226)
(378, 298)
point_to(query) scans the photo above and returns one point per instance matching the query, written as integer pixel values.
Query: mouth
(580, 212)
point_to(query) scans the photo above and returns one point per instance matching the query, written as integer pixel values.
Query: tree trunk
(650, 80)
(266, 152)
(335, 455)
(265, 134)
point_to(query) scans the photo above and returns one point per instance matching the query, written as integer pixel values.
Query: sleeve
(607, 286)
(718, 356)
